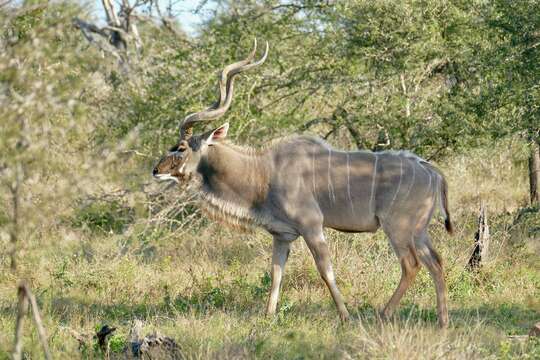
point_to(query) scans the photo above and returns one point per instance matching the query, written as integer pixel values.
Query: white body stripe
(399, 184)
(331, 194)
(349, 185)
(372, 196)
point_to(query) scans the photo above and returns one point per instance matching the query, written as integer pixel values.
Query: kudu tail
(443, 198)
(443, 193)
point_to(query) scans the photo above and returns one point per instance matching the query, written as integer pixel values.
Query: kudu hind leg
(280, 254)
(432, 261)
(319, 249)
(409, 269)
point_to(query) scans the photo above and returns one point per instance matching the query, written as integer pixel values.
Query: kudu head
(183, 158)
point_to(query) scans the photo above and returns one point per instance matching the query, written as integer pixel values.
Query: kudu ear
(218, 134)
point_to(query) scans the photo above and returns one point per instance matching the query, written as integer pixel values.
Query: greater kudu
(300, 185)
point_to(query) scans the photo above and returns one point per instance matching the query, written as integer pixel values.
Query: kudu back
(299, 185)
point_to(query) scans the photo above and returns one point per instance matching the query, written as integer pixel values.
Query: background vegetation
(86, 110)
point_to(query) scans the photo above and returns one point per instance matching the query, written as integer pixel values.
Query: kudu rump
(298, 186)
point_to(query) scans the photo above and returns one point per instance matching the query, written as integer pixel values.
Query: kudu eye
(182, 146)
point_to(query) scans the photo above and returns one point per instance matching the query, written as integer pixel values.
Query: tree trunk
(14, 233)
(534, 173)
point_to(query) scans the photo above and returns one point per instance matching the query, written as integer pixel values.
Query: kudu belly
(348, 216)
(348, 200)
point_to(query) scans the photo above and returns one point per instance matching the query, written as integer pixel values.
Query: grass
(207, 288)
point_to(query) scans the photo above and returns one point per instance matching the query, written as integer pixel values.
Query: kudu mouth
(164, 177)
(169, 168)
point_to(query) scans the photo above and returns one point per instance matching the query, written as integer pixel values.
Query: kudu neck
(235, 175)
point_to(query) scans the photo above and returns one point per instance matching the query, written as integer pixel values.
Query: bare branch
(137, 38)
(112, 19)
(294, 8)
(408, 101)
(22, 309)
(314, 122)
(115, 29)
(5, 2)
(201, 5)
(167, 21)
(87, 29)
(14, 233)
(339, 113)
(26, 297)
(355, 134)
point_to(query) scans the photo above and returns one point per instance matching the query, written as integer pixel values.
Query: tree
(518, 25)
(39, 100)
(509, 96)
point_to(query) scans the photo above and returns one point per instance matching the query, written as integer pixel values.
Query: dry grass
(207, 287)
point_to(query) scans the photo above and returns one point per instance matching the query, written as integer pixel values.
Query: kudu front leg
(280, 254)
(319, 249)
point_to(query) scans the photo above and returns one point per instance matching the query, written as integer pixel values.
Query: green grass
(215, 308)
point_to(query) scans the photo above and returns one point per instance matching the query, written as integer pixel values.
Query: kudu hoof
(384, 316)
(344, 317)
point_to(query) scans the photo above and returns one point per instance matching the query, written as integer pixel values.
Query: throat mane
(229, 213)
(234, 183)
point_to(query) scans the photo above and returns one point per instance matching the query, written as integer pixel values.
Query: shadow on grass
(65, 308)
(513, 319)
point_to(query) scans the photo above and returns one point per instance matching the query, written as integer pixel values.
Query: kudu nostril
(155, 171)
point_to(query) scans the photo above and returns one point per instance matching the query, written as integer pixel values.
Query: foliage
(510, 67)
(39, 83)
(103, 216)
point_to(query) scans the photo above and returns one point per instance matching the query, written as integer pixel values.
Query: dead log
(534, 174)
(481, 240)
(153, 346)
